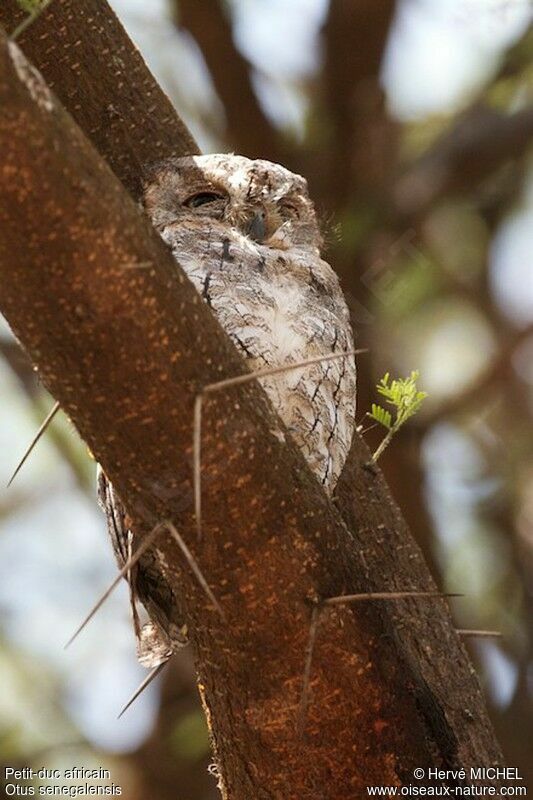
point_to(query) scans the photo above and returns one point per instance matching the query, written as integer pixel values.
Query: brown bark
(159, 764)
(125, 352)
(90, 63)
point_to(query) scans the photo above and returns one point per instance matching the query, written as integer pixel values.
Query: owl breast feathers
(246, 234)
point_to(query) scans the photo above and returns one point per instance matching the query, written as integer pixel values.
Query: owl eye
(202, 199)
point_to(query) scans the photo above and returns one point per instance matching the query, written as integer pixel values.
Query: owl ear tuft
(152, 171)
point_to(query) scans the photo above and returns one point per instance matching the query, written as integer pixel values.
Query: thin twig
(354, 598)
(466, 632)
(44, 425)
(383, 445)
(146, 682)
(226, 384)
(309, 650)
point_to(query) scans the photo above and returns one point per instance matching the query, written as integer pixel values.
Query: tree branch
(480, 142)
(355, 36)
(250, 132)
(123, 111)
(126, 352)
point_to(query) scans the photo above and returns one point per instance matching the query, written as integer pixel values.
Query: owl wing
(165, 631)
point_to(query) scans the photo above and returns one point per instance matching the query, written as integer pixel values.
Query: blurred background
(412, 121)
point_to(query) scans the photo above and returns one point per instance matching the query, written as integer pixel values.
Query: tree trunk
(125, 344)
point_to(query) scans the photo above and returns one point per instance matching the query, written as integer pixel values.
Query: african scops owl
(246, 234)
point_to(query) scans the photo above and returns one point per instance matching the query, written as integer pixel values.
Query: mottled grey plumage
(165, 630)
(245, 232)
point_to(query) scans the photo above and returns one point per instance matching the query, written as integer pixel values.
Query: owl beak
(257, 227)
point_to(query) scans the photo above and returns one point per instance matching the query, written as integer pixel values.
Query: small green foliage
(34, 9)
(405, 398)
(31, 6)
(381, 415)
(403, 394)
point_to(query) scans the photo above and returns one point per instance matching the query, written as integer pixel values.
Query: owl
(246, 234)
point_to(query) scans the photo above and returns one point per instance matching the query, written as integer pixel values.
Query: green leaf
(405, 398)
(381, 416)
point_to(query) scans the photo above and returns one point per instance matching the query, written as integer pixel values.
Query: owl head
(261, 200)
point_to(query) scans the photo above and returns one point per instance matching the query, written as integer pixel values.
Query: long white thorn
(345, 599)
(488, 634)
(309, 651)
(130, 563)
(361, 597)
(197, 463)
(195, 568)
(228, 383)
(146, 682)
(133, 597)
(44, 425)
(267, 371)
